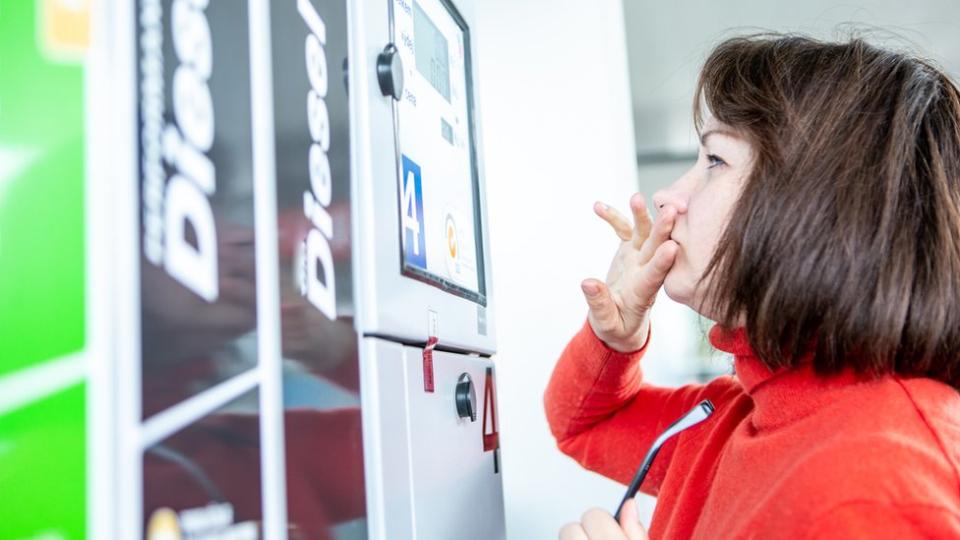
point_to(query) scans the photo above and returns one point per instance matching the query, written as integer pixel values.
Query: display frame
(409, 270)
(392, 305)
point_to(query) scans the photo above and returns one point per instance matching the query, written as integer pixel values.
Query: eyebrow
(705, 134)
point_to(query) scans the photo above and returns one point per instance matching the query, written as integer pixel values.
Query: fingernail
(590, 289)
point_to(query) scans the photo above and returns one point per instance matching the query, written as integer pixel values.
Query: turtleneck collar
(780, 396)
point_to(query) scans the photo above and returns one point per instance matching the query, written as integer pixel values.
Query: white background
(558, 134)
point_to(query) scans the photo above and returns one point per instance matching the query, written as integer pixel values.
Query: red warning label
(491, 437)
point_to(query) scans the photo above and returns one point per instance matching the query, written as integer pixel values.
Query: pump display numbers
(433, 56)
(438, 180)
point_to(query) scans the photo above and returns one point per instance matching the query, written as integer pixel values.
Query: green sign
(41, 195)
(42, 230)
(42, 468)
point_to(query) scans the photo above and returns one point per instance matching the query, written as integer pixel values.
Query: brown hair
(846, 236)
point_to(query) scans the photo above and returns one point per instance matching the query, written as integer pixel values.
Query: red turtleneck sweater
(787, 454)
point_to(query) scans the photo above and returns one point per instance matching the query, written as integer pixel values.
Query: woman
(820, 228)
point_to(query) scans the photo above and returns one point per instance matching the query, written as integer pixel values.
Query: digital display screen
(433, 57)
(438, 178)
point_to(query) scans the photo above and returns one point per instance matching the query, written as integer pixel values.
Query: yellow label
(164, 525)
(65, 27)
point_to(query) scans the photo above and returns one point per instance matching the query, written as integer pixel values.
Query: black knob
(466, 397)
(390, 72)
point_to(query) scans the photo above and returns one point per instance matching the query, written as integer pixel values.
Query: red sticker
(428, 364)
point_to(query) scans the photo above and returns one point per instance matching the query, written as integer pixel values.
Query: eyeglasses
(698, 414)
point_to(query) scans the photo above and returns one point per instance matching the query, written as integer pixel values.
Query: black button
(390, 72)
(466, 397)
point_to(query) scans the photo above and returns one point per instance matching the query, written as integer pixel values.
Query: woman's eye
(714, 161)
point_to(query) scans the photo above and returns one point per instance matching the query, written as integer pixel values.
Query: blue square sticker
(411, 215)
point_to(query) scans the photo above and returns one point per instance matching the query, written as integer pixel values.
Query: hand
(181, 324)
(597, 524)
(619, 308)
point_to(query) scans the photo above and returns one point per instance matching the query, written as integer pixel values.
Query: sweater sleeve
(870, 519)
(605, 417)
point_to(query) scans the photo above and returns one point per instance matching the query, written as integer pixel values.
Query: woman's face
(703, 198)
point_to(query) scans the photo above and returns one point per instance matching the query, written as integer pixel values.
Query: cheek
(705, 222)
(699, 231)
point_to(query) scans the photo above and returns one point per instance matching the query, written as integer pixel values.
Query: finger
(661, 233)
(630, 521)
(616, 220)
(598, 524)
(653, 273)
(604, 314)
(573, 531)
(642, 222)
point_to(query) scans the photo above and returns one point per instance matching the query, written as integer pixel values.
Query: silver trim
(161, 425)
(124, 183)
(273, 469)
(101, 395)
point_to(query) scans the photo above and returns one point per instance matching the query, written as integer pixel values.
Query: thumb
(604, 314)
(630, 521)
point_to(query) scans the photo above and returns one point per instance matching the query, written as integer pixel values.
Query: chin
(678, 288)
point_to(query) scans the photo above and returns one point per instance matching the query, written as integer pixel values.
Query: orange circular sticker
(452, 243)
(452, 239)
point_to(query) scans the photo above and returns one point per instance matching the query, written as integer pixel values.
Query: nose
(670, 196)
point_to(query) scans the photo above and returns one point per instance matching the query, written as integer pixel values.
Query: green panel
(41, 196)
(42, 468)
(42, 444)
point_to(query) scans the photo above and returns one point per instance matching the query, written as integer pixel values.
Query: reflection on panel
(196, 196)
(204, 480)
(324, 447)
